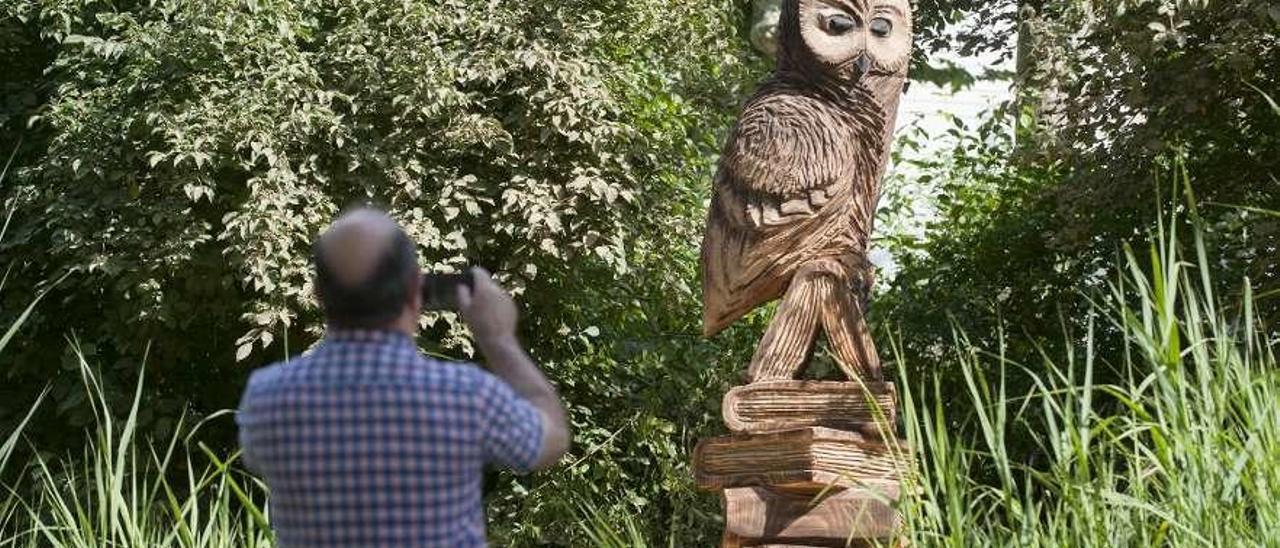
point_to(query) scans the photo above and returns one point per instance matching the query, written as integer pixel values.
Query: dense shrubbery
(178, 158)
(185, 154)
(174, 159)
(1114, 100)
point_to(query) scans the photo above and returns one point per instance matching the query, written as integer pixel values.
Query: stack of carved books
(809, 464)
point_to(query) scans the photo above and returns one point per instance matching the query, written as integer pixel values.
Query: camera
(440, 291)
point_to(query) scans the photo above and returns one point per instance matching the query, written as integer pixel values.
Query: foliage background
(177, 158)
(1035, 205)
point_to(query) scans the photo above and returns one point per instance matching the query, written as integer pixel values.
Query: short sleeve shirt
(364, 442)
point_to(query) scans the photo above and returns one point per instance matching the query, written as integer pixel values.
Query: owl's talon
(772, 216)
(753, 211)
(796, 207)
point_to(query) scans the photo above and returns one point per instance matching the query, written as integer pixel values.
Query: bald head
(366, 270)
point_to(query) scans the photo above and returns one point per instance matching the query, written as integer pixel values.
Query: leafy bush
(181, 157)
(190, 153)
(1107, 95)
(1122, 89)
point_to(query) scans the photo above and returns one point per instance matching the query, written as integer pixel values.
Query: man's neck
(389, 329)
(406, 324)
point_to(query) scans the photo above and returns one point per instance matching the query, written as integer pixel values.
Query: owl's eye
(881, 27)
(840, 24)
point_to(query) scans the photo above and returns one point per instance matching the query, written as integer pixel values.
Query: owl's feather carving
(796, 181)
(795, 193)
(793, 151)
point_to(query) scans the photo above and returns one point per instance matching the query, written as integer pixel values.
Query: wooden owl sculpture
(795, 194)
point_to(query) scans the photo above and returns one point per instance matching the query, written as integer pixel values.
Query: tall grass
(125, 490)
(1184, 451)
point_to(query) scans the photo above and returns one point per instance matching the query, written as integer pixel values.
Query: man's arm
(492, 316)
(249, 423)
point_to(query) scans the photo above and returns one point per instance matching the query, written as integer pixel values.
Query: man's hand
(488, 310)
(491, 313)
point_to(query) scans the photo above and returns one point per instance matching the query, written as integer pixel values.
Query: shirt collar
(370, 336)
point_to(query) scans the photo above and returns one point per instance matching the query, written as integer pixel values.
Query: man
(365, 442)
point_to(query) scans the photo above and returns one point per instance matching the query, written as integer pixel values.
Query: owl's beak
(863, 63)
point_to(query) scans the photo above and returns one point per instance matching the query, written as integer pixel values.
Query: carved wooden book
(783, 405)
(808, 459)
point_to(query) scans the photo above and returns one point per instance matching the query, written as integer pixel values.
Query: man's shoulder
(265, 375)
(276, 373)
(459, 377)
(408, 369)
(461, 374)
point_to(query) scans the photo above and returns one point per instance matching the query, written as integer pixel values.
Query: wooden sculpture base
(806, 466)
(767, 515)
(732, 541)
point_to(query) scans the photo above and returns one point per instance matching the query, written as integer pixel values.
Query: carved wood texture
(805, 459)
(784, 405)
(770, 515)
(795, 194)
(791, 217)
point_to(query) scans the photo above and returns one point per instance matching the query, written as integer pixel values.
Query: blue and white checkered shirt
(364, 442)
